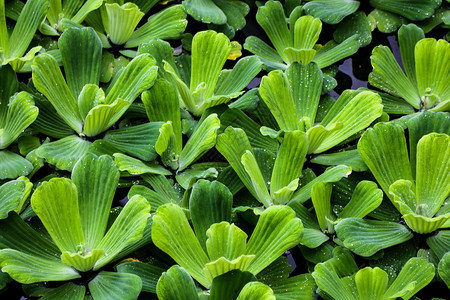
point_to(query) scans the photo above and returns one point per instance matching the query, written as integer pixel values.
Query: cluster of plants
(158, 150)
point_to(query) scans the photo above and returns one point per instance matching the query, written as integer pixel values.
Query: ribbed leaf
(301, 286)
(440, 242)
(120, 21)
(96, 179)
(328, 281)
(272, 19)
(385, 65)
(432, 58)
(31, 16)
(289, 161)
(235, 11)
(162, 105)
(383, 149)
(416, 274)
(8, 86)
(349, 158)
(209, 203)
(267, 54)
(355, 23)
(88, 6)
(102, 117)
(60, 214)
(331, 11)
(203, 139)
(306, 85)
(64, 153)
(366, 197)
(20, 114)
(433, 171)
(49, 122)
(321, 199)
(115, 286)
(127, 229)
(81, 51)
(223, 265)
(313, 238)
(69, 290)
(256, 290)
(318, 134)
(228, 286)
(176, 284)
(421, 224)
(366, 237)
(276, 93)
(10, 196)
(149, 274)
(256, 177)
(225, 240)
(138, 76)
(169, 23)
(332, 52)
(330, 175)
(205, 11)
(386, 22)
(371, 283)
(152, 197)
(48, 79)
(408, 36)
(138, 140)
(367, 104)
(277, 230)
(306, 32)
(90, 96)
(172, 233)
(26, 268)
(415, 11)
(444, 269)
(209, 53)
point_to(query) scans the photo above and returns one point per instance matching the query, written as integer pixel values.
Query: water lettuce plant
(145, 154)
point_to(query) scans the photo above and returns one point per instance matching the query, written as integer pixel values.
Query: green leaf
(306, 33)
(96, 179)
(31, 16)
(328, 281)
(120, 21)
(385, 65)
(59, 215)
(149, 274)
(307, 94)
(90, 96)
(209, 53)
(444, 269)
(331, 11)
(371, 283)
(172, 234)
(113, 285)
(366, 237)
(257, 180)
(18, 235)
(152, 197)
(276, 93)
(431, 57)
(205, 11)
(26, 268)
(64, 153)
(235, 11)
(9, 85)
(321, 199)
(20, 114)
(433, 171)
(69, 290)
(367, 104)
(127, 229)
(289, 161)
(440, 242)
(390, 160)
(267, 54)
(272, 19)
(165, 146)
(277, 230)
(138, 140)
(176, 284)
(222, 265)
(162, 186)
(189, 177)
(137, 167)
(415, 11)
(11, 194)
(301, 286)
(48, 80)
(138, 76)
(87, 7)
(330, 175)
(209, 203)
(366, 197)
(256, 290)
(355, 23)
(228, 286)
(415, 274)
(349, 158)
(162, 105)
(227, 241)
(332, 52)
(169, 23)
(408, 36)
(203, 139)
(81, 51)
(102, 117)
(421, 224)
(386, 22)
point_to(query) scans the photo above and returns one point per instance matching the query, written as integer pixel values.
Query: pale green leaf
(328, 281)
(440, 242)
(176, 284)
(209, 203)
(82, 261)
(115, 286)
(223, 265)
(267, 54)
(366, 237)
(256, 290)
(277, 230)
(172, 233)
(103, 116)
(120, 21)
(444, 269)
(127, 229)
(256, 177)
(90, 96)
(332, 52)
(349, 158)
(366, 197)
(408, 36)
(225, 240)
(321, 199)
(10, 196)
(421, 224)
(88, 6)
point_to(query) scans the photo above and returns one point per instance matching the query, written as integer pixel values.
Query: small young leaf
(176, 284)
